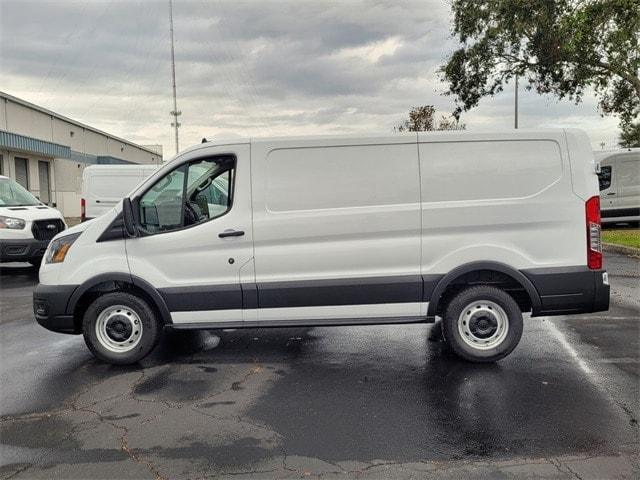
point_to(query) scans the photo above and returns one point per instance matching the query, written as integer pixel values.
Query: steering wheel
(191, 215)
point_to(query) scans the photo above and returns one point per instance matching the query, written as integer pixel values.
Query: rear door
(105, 189)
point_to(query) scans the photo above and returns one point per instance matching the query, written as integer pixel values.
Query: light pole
(515, 120)
(175, 112)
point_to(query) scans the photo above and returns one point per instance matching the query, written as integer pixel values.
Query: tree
(422, 119)
(630, 135)
(562, 47)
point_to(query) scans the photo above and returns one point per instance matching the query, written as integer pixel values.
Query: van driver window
(604, 177)
(173, 203)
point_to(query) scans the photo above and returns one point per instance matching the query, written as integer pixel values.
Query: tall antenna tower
(175, 112)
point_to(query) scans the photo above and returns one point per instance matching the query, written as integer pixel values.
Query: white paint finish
(354, 233)
(196, 255)
(330, 312)
(488, 170)
(207, 316)
(87, 259)
(499, 198)
(624, 191)
(103, 186)
(583, 164)
(321, 178)
(295, 231)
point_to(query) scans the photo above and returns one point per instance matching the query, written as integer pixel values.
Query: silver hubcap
(483, 325)
(118, 328)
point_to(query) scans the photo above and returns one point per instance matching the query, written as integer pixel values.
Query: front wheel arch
(89, 290)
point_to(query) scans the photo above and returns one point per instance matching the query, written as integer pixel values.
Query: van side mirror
(128, 218)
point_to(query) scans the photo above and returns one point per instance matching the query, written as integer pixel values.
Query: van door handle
(231, 233)
(611, 193)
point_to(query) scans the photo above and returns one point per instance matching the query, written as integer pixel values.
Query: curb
(621, 249)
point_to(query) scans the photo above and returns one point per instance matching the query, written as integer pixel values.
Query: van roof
(113, 167)
(387, 137)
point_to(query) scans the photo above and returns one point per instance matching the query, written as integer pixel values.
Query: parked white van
(26, 224)
(620, 185)
(103, 186)
(473, 228)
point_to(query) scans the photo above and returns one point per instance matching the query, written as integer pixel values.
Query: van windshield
(13, 194)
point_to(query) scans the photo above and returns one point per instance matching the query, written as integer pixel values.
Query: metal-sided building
(46, 152)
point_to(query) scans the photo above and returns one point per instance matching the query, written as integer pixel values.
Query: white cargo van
(620, 185)
(103, 186)
(26, 224)
(473, 228)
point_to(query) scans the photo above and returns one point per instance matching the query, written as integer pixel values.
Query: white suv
(26, 224)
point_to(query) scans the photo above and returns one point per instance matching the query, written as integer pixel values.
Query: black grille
(46, 229)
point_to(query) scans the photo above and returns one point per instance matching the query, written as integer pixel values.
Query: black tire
(480, 353)
(149, 333)
(36, 262)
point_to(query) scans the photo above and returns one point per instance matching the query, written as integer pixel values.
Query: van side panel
(620, 200)
(339, 224)
(507, 200)
(583, 164)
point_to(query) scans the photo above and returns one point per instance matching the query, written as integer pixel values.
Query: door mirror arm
(128, 218)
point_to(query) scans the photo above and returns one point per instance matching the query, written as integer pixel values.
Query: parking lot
(363, 402)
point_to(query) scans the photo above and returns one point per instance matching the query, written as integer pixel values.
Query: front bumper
(50, 308)
(22, 250)
(570, 290)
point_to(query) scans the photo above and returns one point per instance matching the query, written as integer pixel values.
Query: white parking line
(567, 346)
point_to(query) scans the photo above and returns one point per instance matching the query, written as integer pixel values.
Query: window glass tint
(208, 190)
(173, 203)
(14, 195)
(604, 177)
(161, 206)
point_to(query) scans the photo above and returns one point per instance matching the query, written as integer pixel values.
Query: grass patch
(626, 237)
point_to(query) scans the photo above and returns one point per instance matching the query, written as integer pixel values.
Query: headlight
(59, 247)
(13, 223)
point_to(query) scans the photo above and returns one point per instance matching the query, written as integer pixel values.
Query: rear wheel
(482, 324)
(120, 328)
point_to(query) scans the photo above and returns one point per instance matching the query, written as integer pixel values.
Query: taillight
(83, 210)
(594, 243)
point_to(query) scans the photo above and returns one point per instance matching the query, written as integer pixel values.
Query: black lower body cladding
(22, 250)
(561, 291)
(570, 290)
(50, 308)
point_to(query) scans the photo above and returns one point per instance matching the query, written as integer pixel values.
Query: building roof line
(69, 120)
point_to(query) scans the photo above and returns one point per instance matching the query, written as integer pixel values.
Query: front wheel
(482, 324)
(120, 328)
(36, 262)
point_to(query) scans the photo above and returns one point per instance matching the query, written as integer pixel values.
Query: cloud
(248, 68)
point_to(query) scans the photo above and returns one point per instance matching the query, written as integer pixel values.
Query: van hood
(79, 228)
(30, 213)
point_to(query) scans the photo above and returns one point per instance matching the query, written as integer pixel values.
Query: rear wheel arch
(485, 273)
(89, 290)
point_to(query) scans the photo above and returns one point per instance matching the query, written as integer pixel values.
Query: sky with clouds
(250, 68)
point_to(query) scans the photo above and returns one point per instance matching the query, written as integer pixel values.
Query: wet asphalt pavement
(340, 402)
